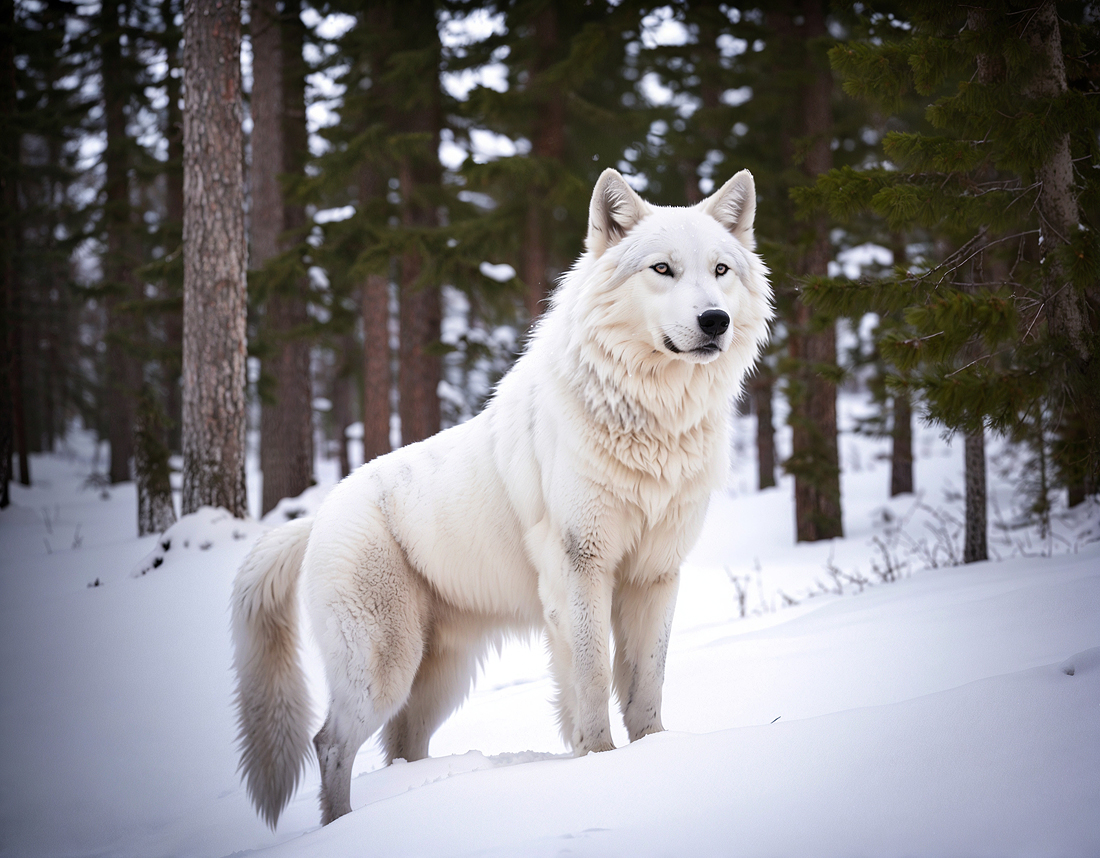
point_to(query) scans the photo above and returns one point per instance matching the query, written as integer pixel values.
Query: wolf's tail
(273, 708)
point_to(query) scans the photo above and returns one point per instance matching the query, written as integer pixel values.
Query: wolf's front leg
(589, 609)
(642, 620)
(576, 591)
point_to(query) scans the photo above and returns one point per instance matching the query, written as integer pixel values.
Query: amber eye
(662, 268)
(721, 269)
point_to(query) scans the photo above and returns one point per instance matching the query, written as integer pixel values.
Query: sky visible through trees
(437, 184)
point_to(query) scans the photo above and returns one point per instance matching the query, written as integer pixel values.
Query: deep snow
(953, 711)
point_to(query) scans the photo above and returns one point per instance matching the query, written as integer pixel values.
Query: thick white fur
(566, 505)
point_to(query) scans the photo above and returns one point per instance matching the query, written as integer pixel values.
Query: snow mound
(200, 531)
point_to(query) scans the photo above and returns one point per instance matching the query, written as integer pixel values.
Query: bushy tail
(273, 706)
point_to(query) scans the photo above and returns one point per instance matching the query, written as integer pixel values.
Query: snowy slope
(953, 711)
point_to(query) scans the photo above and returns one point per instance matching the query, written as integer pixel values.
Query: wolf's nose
(714, 322)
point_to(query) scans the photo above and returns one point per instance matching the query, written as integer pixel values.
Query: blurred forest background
(416, 175)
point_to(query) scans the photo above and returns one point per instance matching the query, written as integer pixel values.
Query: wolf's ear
(734, 206)
(614, 210)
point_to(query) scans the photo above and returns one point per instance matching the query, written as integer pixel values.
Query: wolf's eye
(662, 268)
(721, 269)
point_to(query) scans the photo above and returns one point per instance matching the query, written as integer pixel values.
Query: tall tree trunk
(901, 450)
(420, 371)
(18, 398)
(547, 142)
(762, 388)
(16, 382)
(154, 486)
(901, 431)
(1069, 322)
(374, 305)
(173, 320)
(341, 420)
(214, 300)
(420, 312)
(278, 147)
(341, 404)
(123, 375)
(374, 300)
(990, 69)
(974, 548)
(9, 171)
(374, 292)
(814, 458)
(1067, 311)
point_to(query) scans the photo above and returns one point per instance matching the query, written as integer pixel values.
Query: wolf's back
(273, 709)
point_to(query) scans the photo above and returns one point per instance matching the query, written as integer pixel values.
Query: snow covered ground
(862, 696)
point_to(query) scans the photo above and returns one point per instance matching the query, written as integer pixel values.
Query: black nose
(714, 322)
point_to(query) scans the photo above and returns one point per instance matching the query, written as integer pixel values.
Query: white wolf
(566, 505)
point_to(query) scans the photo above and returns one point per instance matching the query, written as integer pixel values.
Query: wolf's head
(688, 276)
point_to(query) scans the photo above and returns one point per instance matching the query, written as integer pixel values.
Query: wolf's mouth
(706, 349)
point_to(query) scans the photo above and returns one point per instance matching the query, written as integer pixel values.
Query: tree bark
(420, 311)
(214, 300)
(16, 382)
(173, 320)
(374, 292)
(974, 548)
(901, 450)
(153, 474)
(278, 148)
(547, 143)
(9, 171)
(762, 388)
(814, 458)
(374, 307)
(341, 402)
(374, 299)
(420, 371)
(1070, 325)
(1067, 311)
(123, 372)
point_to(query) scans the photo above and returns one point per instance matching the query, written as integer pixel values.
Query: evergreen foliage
(50, 216)
(983, 337)
(945, 142)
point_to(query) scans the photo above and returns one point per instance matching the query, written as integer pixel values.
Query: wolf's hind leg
(641, 617)
(443, 681)
(369, 615)
(336, 750)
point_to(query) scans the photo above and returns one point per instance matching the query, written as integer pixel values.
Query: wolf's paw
(598, 744)
(648, 730)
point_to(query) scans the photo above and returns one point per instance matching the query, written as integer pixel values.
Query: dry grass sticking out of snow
(863, 696)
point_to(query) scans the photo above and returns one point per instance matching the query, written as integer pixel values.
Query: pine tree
(564, 106)
(154, 484)
(120, 287)
(46, 216)
(214, 305)
(358, 253)
(171, 226)
(279, 149)
(811, 389)
(408, 234)
(988, 343)
(700, 135)
(413, 71)
(9, 161)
